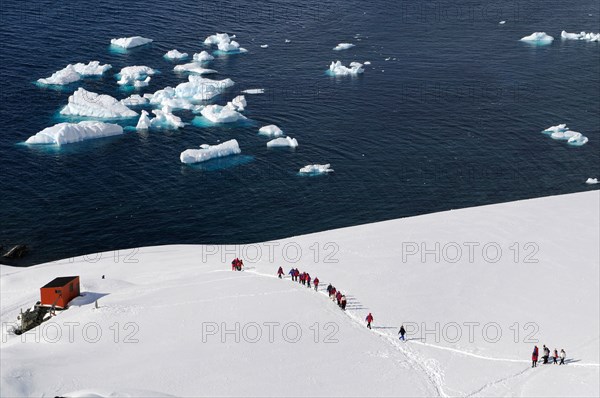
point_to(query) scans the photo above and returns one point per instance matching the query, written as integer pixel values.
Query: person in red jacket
(332, 293)
(302, 276)
(369, 319)
(316, 282)
(307, 277)
(338, 297)
(280, 272)
(534, 357)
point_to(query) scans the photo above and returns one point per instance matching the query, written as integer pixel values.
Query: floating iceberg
(264, 46)
(130, 42)
(144, 122)
(591, 181)
(131, 75)
(283, 142)
(538, 38)
(343, 46)
(164, 119)
(207, 152)
(224, 43)
(577, 140)
(202, 89)
(73, 73)
(239, 103)
(203, 57)
(580, 36)
(194, 67)
(556, 129)
(222, 114)
(134, 100)
(501, 22)
(564, 135)
(67, 133)
(254, 91)
(337, 69)
(175, 55)
(316, 169)
(89, 104)
(367, 62)
(64, 76)
(271, 131)
(288, 41)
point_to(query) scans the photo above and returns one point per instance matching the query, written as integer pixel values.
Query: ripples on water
(453, 121)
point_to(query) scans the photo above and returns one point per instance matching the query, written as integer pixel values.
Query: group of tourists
(555, 356)
(337, 295)
(303, 278)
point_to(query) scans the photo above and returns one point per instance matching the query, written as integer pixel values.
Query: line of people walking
(546, 357)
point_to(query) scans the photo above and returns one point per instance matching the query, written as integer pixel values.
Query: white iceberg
(239, 103)
(222, 114)
(224, 43)
(92, 68)
(343, 46)
(264, 46)
(207, 152)
(501, 22)
(67, 133)
(254, 91)
(165, 119)
(129, 75)
(203, 57)
(337, 69)
(144, 122)
(201, 89)
(175, 55)
(271, 130)
(288, 41)
(564, 135)
(556, 129)
(134, 100)
(316, 169)
(142, 83)
(591, 181)
(578, 140)
(130, 42)
(367, 62)
(194, 67)
(538, 38)
(73, 73)
(580, 36)
(64, 76)
(89, 104)
(283, 142)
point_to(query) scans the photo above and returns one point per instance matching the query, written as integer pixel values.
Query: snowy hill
(475, 288)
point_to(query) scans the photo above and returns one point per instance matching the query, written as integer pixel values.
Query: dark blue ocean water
(451, 120)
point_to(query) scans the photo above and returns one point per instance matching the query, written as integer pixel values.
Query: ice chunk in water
(87, 103)
(343, 46)
(283, 142)
(271, 130)
(67, 133)
(175, 55)
(207, 152)
(540, 38)
(130, 42)
(316, 169)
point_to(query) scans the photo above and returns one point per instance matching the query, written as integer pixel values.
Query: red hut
(60, 291)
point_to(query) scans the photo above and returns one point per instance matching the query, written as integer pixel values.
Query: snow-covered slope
(171, 299)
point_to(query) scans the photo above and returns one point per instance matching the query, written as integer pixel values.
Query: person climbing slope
(369, 319)
(343, 301)
(316, 283)
(546, 354)
(555, 356)
(307, 277)
(292, 273)
(563, 355)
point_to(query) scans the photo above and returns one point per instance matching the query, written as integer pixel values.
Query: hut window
(57, 291)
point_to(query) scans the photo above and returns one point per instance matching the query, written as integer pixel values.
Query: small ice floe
(316, 169)
(75, 72)
(203, 57)
(224, 43)
(254, 91)
(134, 100)
(194, 67)
(67, 133)
(137, 76)
(239, 103)
(591, 181)
(343, 46)
(540, 38)
(501, 22)
(562, 133)
(130, 42)
(264, 46)
(271, 130)
(337, 69)
(175, 55)
(591, 37)
(88, 104)
(163, 119)
(367, 62)
(222, 114)
(288, 41)
(283, 142)
(207, 152)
